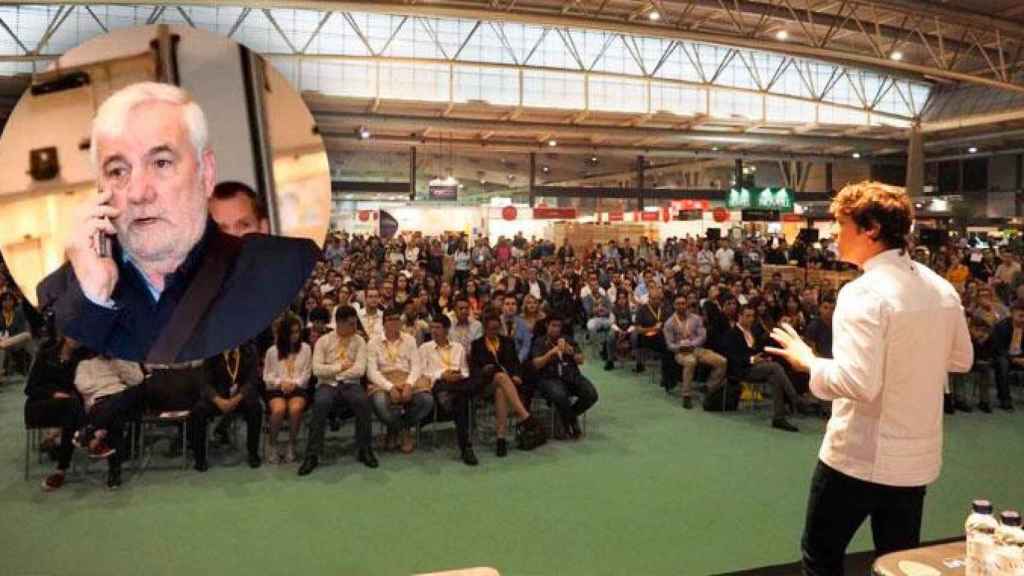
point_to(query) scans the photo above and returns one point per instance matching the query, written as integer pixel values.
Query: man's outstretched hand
(792, 348)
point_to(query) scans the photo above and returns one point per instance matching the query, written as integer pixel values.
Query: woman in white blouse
(287, 368)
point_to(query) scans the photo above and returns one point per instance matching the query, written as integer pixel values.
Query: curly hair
(870, 204)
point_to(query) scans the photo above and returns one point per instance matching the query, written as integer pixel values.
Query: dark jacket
(483, 364)
(555, 369)
(737, 353)
(49, 374)
(246, 379)
(262, 279)
(1002, 334)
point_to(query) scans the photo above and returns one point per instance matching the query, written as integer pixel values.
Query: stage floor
(653, 489)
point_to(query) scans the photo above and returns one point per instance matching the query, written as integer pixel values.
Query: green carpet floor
(653, 489)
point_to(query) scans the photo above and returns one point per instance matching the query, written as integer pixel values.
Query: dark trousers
(180, 389)
(1003, 370)
(452, 399)
(250, 408)
(111, 413)
(839, 504)
(775, 376)
(671, 371)
(352, 395)
(64, 413)
(561, 390)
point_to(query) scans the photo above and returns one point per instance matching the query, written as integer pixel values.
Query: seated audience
(234, 389)
(287, 368)
(339, 364)
(399, 394)
(445, 364)
(684, 338)
(556, 361)
(495, 370)
(53, 401)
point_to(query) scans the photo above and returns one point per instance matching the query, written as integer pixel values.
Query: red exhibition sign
(615, 216)
(509, 213)
(646, 216)
(721, 214)
(554, 213)
(364, 215)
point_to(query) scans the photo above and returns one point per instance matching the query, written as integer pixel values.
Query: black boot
(609, 365)
(308, 465)
(502, 448)
(254, 460)
(367, 457)
(947, 404)
(783, 424)
(468, 456)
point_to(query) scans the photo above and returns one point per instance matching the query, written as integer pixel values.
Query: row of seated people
(92, 398)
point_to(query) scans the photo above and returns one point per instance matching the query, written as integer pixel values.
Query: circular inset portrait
(165, 194)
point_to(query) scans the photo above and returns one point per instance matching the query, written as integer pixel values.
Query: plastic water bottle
(1007, 558)
(980, 528)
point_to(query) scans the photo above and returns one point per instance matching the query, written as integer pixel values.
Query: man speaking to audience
(149, 274)
(897, 331)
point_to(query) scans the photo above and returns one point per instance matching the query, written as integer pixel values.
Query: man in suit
(556, 361)
(144, 255)
(234, 388)
(746, 361)
(494, 368)
(1008, 352)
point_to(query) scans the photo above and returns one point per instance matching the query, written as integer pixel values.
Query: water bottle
(980, 528)
(1007, 557)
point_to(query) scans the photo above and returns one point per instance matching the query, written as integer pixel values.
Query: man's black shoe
(947, 405)
(201, 465)
(609, 365)
(985, 407)
(114, 479)
(502, 449)
(1006, 405)
(639, 368)
(469, 457)
(687, 402)
(783, 424)
(254, 461)
(308, 465)
(366, 456)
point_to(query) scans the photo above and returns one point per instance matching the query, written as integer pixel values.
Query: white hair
(110, 118)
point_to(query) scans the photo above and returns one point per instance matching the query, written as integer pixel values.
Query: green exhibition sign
(779, 199)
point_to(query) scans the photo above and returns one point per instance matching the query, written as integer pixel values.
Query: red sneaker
(53, 482)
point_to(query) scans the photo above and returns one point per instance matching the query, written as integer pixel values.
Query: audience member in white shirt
(287, 367)
(399, 393)
(898, 330)
(339, 364)
(444, 363)
(371, 318)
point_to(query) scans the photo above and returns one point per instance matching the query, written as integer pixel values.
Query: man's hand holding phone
(97, 275)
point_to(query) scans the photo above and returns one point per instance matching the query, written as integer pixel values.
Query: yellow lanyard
(658, 315)
(493, 345)
(391, 351)
(446, 356)
(343, 351)
(232, 360)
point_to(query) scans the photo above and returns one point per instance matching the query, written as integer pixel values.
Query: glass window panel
(486, 46)
(791, 83)
(828, 114)
(617, 95)
(730, 104)
(341, 78)
(679, 67)
(617, 59)
(497, 86)
(736, 74)
(678, 99)
(419, 82)
(781, 109)
(553, 90)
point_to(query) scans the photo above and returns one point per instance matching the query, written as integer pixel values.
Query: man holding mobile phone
(173, 287)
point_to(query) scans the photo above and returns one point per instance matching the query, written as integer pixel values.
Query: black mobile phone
(102, 240)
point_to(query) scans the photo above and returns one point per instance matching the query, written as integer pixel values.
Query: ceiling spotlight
(714, 148)
(545, 169)
(593, 159)
(972, 150)
(856, 154)
(782, 35)
(552, 142)
(896, 55)
(364, 133)
(653, 16)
